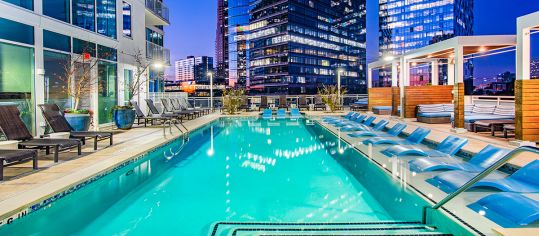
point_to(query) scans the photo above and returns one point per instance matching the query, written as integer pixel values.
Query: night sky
(193, 22)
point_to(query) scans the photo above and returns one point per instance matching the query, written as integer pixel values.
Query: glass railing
(157, 53)
(348, 99)
(159, 8)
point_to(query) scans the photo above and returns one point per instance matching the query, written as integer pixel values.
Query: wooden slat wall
(419, 95)
(396, 101)
(459, 106)
(379, 97)
(527, 110)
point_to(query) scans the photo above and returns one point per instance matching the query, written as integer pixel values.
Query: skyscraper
(238, 35)
(406, 25)
(221, 41)
(194, 69)
(296, 47)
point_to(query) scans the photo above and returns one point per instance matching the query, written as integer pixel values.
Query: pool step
(319, 228)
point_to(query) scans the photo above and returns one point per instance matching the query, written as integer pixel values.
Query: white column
(523, 53)
(459, 65)
(451, 71)
(403, 81)
(394, 74)
(39, 81)
(369, 78)
(435, 74)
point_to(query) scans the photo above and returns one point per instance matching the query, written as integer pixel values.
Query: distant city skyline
(193, 28)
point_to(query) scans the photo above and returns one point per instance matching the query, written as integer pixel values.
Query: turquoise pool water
(231, 170)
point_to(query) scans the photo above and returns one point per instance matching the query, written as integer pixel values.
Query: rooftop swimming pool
(232, 170)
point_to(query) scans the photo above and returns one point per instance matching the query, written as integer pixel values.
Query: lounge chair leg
(79, 149)
(111, 142)
(34, 162)
(56, 148)
(2, 171)
(95, 143)
(47, 150)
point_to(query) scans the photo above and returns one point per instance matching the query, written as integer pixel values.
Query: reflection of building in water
(534, 69)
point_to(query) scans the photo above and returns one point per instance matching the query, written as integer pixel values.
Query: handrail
(480, 176)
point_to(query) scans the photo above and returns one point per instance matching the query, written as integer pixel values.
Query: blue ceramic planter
(79, 122)
(124, 118)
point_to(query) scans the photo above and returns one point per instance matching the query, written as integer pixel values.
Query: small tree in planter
(124, 116)
(232, 99)
(330, 96)
(79, 79)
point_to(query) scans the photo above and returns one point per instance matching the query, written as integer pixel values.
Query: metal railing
(478, 177)
(157, 53)
(158, 8)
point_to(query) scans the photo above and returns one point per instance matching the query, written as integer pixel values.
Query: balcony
(156, 13)
(157, 53)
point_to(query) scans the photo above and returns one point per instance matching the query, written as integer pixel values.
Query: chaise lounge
(479, 162)
(59, 124)
(414, 138)
(13, 157)
(524, 180)
(14, 128)
(448, 147)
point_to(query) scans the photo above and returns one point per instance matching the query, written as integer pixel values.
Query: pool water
(231, 170)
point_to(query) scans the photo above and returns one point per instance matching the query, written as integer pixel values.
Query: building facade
(39, 38)
(194, 69)
(407, 25)
(221, 41)
(295, 47)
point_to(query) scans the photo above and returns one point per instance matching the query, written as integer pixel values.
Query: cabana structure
(526, 90)
(385, 96)
(455, 51)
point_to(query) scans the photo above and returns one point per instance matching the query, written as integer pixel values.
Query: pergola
(526, 90)
(388, 62)
(453, 50)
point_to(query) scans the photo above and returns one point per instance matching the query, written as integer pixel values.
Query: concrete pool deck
(398, 167)
(24, 187)
(19, 193)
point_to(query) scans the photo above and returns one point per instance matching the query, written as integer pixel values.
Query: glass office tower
(298, 46)
(221, 40)
(238, 32)
(407, 25)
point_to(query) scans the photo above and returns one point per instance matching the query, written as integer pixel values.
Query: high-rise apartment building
(194, 69)
(39, 38)
(534, 69)
(221, 41)
(407, 25)
(238, 34)
(297, 46)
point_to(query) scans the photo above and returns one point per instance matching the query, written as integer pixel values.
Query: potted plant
(331, 97)
(124, 116)
(232, 99)
(79, 80)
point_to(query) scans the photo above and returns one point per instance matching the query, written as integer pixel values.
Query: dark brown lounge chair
(244, 104)
(14, 129)
(171, 109)
(183, 103)
(319, 104)
(155, 112)
(59, 124)
(13, 157)
(147, 119)
(302, 103)
(263, 103)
